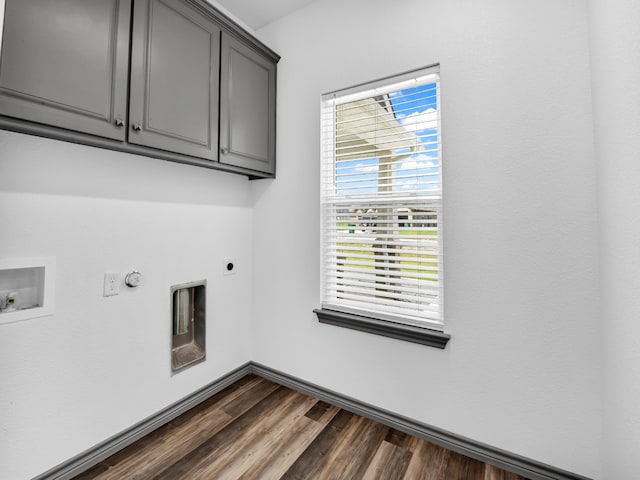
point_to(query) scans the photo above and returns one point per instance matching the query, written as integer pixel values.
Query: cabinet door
(65, 63)
(247, 107)
(174, 79)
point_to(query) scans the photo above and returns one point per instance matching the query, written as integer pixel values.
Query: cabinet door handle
(136, 127)
(119, 123)
(224, 150)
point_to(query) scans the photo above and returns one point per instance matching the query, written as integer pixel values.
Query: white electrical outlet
(111, 284)
(230, 267)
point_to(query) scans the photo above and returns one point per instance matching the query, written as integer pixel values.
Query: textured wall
(615, 40)
(99, 365)
(522, 371)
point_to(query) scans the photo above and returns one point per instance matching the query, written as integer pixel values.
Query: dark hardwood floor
(257, 429)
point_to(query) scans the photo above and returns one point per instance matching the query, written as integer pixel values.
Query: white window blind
(381, 200)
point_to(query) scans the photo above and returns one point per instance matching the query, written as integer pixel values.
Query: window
(381, 201)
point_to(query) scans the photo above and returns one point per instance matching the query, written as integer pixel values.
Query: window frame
(427, 332)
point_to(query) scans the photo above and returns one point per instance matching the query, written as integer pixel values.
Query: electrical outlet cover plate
(111, 284)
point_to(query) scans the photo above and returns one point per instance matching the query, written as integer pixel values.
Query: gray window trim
(399, 331)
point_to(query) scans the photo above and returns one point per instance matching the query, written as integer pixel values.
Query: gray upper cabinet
(65, 63)
(171, 79)
(247, 107)
(174, 79)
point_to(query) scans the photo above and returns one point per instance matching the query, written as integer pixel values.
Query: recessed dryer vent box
(188, 324)
(26, 288)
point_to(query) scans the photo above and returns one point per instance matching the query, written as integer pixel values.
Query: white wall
(99, 365)
(615, 40)
(523, 369)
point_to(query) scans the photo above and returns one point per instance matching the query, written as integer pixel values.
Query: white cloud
(406, 184)
(418, 121)
(361, 167)
(417, 162)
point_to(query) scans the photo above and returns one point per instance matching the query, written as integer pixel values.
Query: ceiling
(258, 13)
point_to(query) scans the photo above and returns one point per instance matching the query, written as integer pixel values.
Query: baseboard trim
(89, 458)
(526, 467)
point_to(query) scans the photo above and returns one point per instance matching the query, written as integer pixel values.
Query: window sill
(385, 328)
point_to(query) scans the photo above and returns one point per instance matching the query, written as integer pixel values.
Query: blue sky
(416, 111)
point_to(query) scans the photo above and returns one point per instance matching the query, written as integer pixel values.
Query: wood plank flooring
(257, 429)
